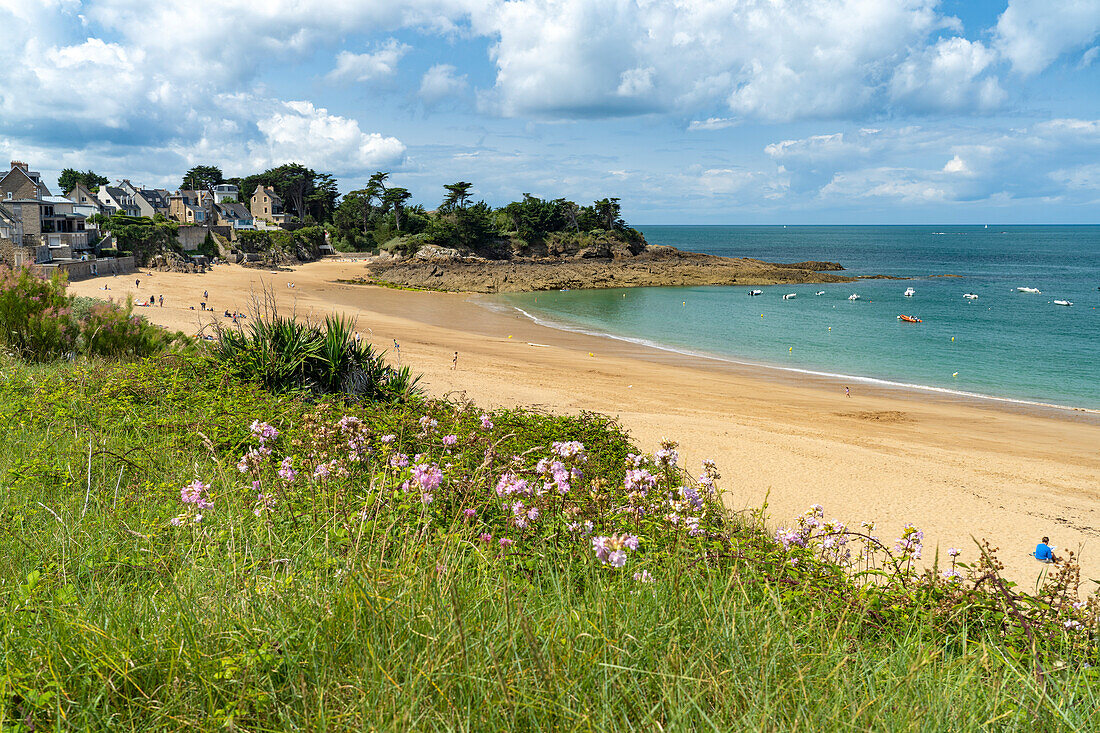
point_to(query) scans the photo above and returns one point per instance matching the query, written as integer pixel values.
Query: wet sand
(958, 468)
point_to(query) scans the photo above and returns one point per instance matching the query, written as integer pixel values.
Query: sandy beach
(959, 469)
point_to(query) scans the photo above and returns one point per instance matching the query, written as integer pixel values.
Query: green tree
(202, 177)
(458, 195)
(394, 200)
(607, 212)
(70, 177)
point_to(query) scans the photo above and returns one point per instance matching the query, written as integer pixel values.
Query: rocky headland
(436, 268)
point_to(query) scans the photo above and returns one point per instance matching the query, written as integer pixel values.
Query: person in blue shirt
(1044, 552)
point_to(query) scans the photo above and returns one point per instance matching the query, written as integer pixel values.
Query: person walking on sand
(205, 295)
(137, 283)
(847, 392)
(162, 301)
(1044, 552)
(454, 363)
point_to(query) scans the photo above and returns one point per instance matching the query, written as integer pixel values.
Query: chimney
(20, 164)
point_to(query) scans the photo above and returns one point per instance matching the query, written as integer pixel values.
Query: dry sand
(957, 468)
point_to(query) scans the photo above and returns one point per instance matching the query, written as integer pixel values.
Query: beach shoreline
(955, 466)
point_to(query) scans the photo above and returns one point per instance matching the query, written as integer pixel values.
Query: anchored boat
(788, 296)
(1063, 302)
(1035, 291)
(820, 292)
(909, 319)
(756, 292)
(853, 296)
(970, 296)
(909, 292)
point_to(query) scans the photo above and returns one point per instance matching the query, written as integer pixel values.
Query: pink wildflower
(470, 513)
(450, 440)
(486, 423)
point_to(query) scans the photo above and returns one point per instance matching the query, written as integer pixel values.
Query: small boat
(1035, 291)
(756, 292)
(1063, 302)
(909, 319)
(909, 292)
(970, 296)
(853, 296)
(788, 296)
(820, 292)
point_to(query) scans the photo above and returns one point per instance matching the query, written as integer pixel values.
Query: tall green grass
(310, 618)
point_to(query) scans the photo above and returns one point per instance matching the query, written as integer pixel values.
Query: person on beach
(847, 392)
(137, 283)
(1044, 552)
(205, 295)
(161, 303)
(454, 363)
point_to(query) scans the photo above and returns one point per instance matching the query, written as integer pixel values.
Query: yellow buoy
(955, 374)
(830, 328)
(761, 315)
(952, 338)
(685, 303)
(790, 348)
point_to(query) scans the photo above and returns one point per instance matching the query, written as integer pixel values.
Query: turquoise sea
(1006, 344)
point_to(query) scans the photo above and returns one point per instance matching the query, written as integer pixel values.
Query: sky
(690, 111)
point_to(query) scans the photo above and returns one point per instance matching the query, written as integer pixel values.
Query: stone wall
(7, 253)
(192, 237)
(80, 270)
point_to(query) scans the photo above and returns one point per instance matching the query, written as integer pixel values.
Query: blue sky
(691, 111)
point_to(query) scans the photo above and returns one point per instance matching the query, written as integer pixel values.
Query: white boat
(1035, 291)
(756, 292)
(1063, 302)
(909, 292)
(970, 296)
(788, 296)
(820, 292)
(853, 296)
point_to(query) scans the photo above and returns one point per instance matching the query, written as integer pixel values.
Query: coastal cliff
(653, 265)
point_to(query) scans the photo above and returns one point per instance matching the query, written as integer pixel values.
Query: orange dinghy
(909, 319)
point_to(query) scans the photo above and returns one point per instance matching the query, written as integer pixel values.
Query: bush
(35, 316)
(284, 354)
(41, 322)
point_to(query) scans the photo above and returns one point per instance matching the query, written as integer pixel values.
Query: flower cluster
(612, 550)
(196, 500)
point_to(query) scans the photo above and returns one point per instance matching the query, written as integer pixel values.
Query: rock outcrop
(592, 266)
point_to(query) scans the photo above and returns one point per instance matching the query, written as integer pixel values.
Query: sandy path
(956, 469)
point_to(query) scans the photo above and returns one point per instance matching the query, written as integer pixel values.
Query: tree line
(380, 211)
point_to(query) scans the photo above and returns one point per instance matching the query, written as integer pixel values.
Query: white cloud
(948, 76)
(778, 60)
(310, 135)
(1033, 33)
(983, 164)
(956, 165)
(441, 81)
(369, 67)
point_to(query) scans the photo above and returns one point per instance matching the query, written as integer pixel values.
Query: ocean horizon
(1004, 345)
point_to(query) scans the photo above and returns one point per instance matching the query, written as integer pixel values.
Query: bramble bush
(40, 322)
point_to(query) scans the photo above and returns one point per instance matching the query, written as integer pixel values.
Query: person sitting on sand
(227, 314)
(1044, 552)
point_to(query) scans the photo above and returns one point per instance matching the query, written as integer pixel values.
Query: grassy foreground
(184, 550)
